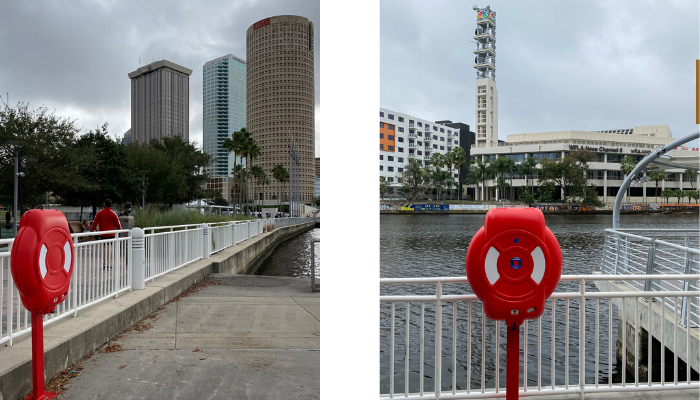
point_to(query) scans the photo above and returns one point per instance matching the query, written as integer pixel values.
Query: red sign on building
(261, 23)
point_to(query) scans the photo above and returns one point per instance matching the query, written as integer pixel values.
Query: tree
(281, 175)
(656, 176)
(691, 173)
(174, 169)
(695, 195)
(414, 179)
(383, 187)
(545, 192)
(666, 193)
(510, 167)
(233, 145)
(527, 166)
(626, 166)
(48, 159)
(439, 179)
(459, 159)
(525, 195)
(497, 169)
(258, 175)
(590, 196)
(569, 172)
(481, 170)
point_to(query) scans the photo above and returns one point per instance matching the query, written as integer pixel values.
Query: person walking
(107, 220)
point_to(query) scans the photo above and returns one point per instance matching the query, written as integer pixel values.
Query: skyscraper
(485, 64)
(224, 111)
(160, 101)
(280, 98)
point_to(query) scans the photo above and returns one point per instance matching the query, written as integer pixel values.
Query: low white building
(403, 137)
(608, 147)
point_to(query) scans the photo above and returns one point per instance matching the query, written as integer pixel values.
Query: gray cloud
(561, 65)
(74, 56)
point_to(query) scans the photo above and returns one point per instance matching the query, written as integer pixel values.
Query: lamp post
(16, 143)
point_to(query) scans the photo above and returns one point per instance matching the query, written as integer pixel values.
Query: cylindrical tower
(280, 97)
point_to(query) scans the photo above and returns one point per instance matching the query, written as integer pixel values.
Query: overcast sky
(560, 65)
(74, 56)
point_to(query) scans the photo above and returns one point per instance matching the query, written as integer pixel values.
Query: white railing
(315, 286)
(655, 252)
(101, 271)
(102, 267)
(171, 247)
(465, 354)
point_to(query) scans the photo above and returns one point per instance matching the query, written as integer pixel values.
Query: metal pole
(16, 179)
(143, 193)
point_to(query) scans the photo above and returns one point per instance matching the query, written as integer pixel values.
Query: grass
(154, 216)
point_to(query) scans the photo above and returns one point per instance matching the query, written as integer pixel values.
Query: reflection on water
(293, 257)
(436, 245)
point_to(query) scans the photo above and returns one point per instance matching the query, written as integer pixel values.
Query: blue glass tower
(224, 96)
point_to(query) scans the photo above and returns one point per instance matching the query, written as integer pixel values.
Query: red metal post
(38, 360)
(513, 363)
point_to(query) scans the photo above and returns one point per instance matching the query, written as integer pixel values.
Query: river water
(436, 245)
(293, 258)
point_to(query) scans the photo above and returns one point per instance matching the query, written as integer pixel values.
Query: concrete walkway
(230, 337)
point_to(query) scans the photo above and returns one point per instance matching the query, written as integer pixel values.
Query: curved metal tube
(641, 166)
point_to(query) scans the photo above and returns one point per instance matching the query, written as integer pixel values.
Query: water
(293, 258)
(436, 245)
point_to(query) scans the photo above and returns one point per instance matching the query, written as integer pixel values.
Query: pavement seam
(313, 316)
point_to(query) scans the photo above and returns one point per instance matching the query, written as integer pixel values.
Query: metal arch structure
(641, 166)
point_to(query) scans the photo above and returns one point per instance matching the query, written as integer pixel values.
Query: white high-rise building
(485, 65)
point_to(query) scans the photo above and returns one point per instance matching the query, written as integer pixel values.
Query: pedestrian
(86, 226)
(127, 209)
(107, 220)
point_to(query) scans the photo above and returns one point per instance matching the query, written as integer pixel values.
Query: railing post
(138, 257)
(233, 234)
(249, 226)
(438, 340)
(206, 241)
(581, 339)
(650, 263)
(686, 285)
(74, 281)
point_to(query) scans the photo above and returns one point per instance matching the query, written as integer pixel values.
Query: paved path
(233, 337)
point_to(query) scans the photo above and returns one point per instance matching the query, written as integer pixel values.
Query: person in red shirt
(107, 220)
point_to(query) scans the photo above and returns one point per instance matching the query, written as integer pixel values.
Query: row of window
(390, 169)
(390, 158)
(411, 123)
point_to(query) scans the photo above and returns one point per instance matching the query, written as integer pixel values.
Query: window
(391, 127)
(456, 143)
(400, 160)
(400, 149)
(615, 175)
(435, 128)
(420, 134)
(400, 129)
(595, 174)
(390, 169)
(391, 116)
(449, 131)
(435, 146)
(614, 158)
(442, 147)
(381, 147)
(390, 158)
(399, 169)
(410, 122)
(427, 127)
(400, 119)
(391, 137)
(420, 143)
(391, 148)
(434, 137)
(381, 113)
(381, 156)
(400, 139)
(420, 124)
(442, 130)
(419, 152)
(442, 139)
(381, 124)
(381, 136)
(381, 168)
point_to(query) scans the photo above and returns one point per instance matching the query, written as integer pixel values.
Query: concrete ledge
(70, 339)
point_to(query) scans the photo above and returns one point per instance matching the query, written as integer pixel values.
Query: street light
(16, 143)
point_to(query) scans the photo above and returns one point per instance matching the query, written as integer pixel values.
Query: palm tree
(253, 152)
(627, 164)
(509, 166)
(383, 187)
(279, 172)
(692, 174)
(656, 176)
(437, 161)
(439, 178)
(258, 175)
(233, 145)
(459, 158)
(498, 167)
(482, 170)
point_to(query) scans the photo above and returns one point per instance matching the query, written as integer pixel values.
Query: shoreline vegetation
(152, 215)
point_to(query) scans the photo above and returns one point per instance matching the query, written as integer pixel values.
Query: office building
(485, 65)
(224, 112)
(280, 97)
(127, 137)
(609, 147)
(160, 101)
(403, 137)
(466, 140)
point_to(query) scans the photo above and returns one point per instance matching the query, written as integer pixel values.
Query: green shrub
(153, 216)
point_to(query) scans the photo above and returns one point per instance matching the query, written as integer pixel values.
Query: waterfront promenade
(229, 337)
